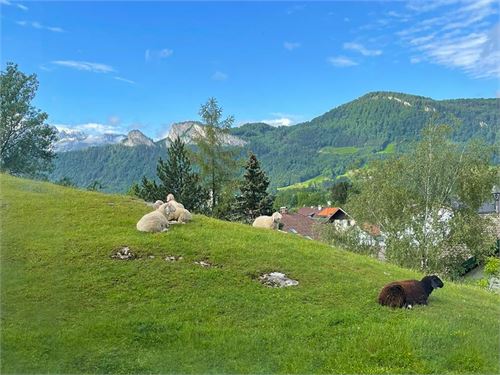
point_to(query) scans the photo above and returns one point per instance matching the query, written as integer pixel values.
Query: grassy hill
(67, 307)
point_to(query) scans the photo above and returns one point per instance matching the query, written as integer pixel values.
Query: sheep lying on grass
(179, 214)
(268, 222)
(157, 204)
(409, 292)
(155, 221)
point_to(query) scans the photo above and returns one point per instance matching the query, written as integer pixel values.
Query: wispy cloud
(151, 54)
(39, 26)
(124, 80)
(91, 128)
(291, 45)
(219, 76)
(362, 49)
(85, 65)
(341, 61)
(17, 5)
(456, 34)
(295, 8)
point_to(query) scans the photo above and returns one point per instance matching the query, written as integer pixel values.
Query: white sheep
(155, 221)
(268, 222)
(157, 204)
(179, 214)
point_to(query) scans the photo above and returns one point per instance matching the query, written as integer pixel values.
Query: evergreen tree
(340, 191)
(176, 177)
(254, 199)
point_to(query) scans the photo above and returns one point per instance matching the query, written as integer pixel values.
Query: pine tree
(254, 199)
(177, 177)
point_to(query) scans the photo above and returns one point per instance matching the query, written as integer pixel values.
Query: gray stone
(173, 258)
(124, 254)
(277, 280)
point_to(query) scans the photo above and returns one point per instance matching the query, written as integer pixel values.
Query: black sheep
(407, 293)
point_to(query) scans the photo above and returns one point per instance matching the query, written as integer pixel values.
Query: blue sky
(115, 66)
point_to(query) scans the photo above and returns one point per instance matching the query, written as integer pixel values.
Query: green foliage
(347, 239)
(297, 198)
(25, 141)
(389, 149)
(94, 186)
(425, 202)
(253, 200)
(492, 266)
(216, 161)
(65, 181)
(339, 150)
(68, 308)
(176, 177)
(116, 166)
(340, 192)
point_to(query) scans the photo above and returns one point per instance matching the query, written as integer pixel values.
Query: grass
(389, 149)
(315, 181)
(67, 307)
(339, 150)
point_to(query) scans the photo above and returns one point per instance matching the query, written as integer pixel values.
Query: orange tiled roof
(328, 211)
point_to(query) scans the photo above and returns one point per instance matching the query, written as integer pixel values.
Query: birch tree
(426, 201)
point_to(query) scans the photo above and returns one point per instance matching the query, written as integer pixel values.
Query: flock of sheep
(404, 293)
(164, 214)
(173, 212)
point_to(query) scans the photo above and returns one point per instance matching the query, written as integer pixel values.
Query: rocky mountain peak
(188, 131)
(137, 138)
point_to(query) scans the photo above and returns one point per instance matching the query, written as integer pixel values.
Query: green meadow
(68, 307)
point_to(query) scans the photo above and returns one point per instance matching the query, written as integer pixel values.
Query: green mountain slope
(67, 307)
(115, 166)
(365, 126)
(326, 146)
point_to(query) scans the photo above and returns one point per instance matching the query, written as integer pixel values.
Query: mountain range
(370, 127)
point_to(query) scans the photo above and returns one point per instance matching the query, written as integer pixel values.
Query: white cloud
(341, 61)
(362, 49)
(85, 65)
(39, 26)
(19, 6)
(282, 119)
(150, 54)
(124, 80)
(457, 34)
(92, 128)
(415, 60)
(55, 29)
(291, 45)
(294, 9)
(219, 76)
(165, 53)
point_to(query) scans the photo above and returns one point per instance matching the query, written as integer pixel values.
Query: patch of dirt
(277, 280)
(124, 254)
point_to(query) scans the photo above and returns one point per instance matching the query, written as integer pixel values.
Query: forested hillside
(116, 167)
(372, 126)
